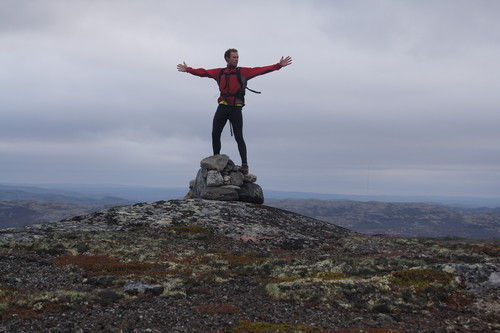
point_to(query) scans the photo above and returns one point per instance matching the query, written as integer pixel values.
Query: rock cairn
(220, 179)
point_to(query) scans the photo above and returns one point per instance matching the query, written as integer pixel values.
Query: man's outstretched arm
(251, 72)
(212, 73)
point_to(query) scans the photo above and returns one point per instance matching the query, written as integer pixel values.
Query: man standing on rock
(232, 83)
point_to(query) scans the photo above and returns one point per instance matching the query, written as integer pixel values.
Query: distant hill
(19, 213)
(10, 192)
(22, 205)
(401, 219)
(153, 193)
(450, 201)
(96, 192)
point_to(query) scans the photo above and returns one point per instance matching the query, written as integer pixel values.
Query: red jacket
(232, 87)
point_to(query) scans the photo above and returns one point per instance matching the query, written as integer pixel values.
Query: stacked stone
(220, 179)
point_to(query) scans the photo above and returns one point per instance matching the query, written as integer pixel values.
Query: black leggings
(235, 116)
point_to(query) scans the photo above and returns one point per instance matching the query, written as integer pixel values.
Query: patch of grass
(368, 330)
(217, 308)
(104, 265)
(263, 327)
(492, 250)
(328, 276)
(28, 305)
(189, 232)
(20, 312)
(246, 258)
(316, 275)
(419, 277)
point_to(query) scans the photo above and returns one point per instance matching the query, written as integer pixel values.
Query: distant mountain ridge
(21, 205)
(155, 193)
(24, 205)
(20, 213)
(8, 192)
(399, 219)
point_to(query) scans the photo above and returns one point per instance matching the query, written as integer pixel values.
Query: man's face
(233, 59)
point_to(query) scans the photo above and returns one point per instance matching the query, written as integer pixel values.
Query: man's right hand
(285, 61)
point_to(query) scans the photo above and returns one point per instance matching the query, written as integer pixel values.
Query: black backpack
(240, 94)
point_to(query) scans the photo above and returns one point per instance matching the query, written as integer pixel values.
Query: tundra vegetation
(240, 268)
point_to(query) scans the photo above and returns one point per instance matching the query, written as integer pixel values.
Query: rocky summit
(199, 265)
(220, 179)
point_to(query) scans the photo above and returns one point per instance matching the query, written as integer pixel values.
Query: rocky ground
(212, 266)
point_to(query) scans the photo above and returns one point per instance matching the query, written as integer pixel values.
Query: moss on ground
(422, 278)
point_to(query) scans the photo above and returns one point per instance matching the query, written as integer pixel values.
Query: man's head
(231, 57)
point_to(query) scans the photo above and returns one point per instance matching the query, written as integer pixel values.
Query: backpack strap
(254, 91)
(243, 82)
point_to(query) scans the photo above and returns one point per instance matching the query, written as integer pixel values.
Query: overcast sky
(383, 96)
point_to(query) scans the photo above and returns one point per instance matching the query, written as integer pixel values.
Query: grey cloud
(404, 91)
